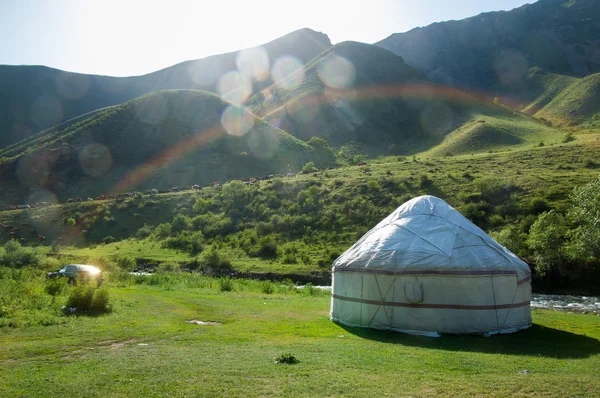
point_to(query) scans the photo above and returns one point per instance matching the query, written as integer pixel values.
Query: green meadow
(145, 347)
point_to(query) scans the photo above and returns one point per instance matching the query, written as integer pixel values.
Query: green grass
(495, 133)
(579, 103)
(352, 199)
(145, 348)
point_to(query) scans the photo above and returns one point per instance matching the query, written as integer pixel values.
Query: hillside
(578, 103)
(492, 52)
(34, 98)
(366, 99)
(163, 139)
(298, 225)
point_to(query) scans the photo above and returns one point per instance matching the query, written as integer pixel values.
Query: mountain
(163, 139)
(360, 95)
(33, 98)
(493, 52)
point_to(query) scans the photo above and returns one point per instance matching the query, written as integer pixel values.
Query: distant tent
(426, 269)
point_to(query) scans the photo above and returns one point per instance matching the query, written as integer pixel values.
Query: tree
(547, 241)
(585, 213)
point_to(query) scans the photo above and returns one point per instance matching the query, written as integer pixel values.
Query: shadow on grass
(535, 341)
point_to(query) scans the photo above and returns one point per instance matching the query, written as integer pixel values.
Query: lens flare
(337, 72)
(253, 63)
(234, 87)
(46, 111)
(264, 143)
(287, 72)
(510, 66)
(95, 159)
(151, 110)
(236, 121)
(72, 86)
(203, 76)
(303, 110)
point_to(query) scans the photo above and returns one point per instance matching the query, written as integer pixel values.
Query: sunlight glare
(253, 63)
(95, 159)
(283, 72)
(236, 121)
(337, 72)
(234, 87)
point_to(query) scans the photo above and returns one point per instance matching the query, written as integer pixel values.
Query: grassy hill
(34, 98)
(360, 94)
(296, 225)
(493, 51)
(578, 103)
(163, 139)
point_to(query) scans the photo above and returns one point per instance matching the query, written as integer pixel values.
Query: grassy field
(346, 202)
(146, 348)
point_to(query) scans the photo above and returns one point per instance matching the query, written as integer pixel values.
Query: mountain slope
(33, 98)
(493, 51)
(163, 139)
(362, 94)
(578, 103)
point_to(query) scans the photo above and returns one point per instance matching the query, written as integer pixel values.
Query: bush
(144, 232)
(225, 284)
(85, 298)
(309, 167)
(108, 239)
(126, 263)
(286, 358)
(267, 247)
(16, 256)
(214, 263)
(546, 240)
(162, 231)
(267, 287)
(168, 267)
(538, 206)
(180, 223)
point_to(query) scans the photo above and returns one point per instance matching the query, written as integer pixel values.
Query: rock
(525, 372)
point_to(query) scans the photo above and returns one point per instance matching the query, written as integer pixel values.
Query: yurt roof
(427, 233)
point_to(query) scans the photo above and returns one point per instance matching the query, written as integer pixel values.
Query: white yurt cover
(426, 269)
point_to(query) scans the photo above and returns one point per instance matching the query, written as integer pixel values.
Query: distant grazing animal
(154, 191)
(174, 189)
(90, 199)
(101, 197)
(79, 200)
(195, 187)
(41, 238)
(70, 201)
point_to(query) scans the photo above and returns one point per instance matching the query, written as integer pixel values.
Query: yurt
(426, 269)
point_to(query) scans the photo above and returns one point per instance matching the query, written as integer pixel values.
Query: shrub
(125, 263)
(56, 286)
(108, 239)
(16, 256)
(267, 247)
(168, 267)
(286, 358)
(309, 167)
(289, 258)
(214, 263)
(101, 301)
(180, 223)
(162, 230)
(538, 206)
(267, 287)
(144, 232)
(85, 298)
(225, 284)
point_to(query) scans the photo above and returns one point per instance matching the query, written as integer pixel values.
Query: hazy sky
(133, 37)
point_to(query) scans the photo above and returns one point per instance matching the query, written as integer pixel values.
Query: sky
(135, 37)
